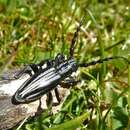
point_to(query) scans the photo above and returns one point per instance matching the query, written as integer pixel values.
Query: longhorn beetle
(48, 74)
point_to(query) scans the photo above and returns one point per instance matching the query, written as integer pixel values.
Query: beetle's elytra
(43, 81)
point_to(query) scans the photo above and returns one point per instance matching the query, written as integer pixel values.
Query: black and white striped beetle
(44, 79)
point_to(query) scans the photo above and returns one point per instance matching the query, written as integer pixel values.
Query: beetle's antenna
(74, 38)
(102, 60)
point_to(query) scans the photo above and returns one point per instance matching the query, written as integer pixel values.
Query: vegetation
(31, 31)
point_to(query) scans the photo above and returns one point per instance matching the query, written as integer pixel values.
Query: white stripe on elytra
(41, 80)
(49, 71)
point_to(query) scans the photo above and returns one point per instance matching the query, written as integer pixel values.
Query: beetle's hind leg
(45, 63)
(57, 94)
(49, 100)
(39, 108)
(34, 68)
(29, 69)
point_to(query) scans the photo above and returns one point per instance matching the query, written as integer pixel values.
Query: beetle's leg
(39, 109)
(45, 63)
(34, 68)
(102, 60)
(69, 82)
(49, 100)
(57, 95)
(65, 84)
(30, 69)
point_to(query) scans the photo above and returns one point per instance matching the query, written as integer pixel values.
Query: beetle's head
(67, 68)
(60, 58)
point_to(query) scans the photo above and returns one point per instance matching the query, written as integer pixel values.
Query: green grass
(31, 31)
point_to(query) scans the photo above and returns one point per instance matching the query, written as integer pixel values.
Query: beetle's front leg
(69, 82)
(65, 84)
(49, 101)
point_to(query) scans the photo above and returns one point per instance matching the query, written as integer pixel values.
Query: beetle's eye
(74, 67)
(59, 58)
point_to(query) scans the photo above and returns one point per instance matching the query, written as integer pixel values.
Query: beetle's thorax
(67, 68)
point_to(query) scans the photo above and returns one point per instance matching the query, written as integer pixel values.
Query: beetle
(48, 74)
